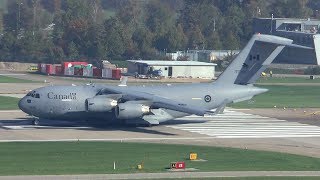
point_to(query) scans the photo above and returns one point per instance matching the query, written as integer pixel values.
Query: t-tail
(255, 57)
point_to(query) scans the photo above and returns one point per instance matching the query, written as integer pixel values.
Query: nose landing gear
(35, 122)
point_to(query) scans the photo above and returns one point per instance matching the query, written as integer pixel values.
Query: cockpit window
(33, 94)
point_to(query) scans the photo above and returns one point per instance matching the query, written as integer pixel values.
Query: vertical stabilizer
(256, 56)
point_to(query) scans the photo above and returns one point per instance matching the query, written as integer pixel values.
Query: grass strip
(20, 158)
(284, 96)
(7, 79)
(8, 103)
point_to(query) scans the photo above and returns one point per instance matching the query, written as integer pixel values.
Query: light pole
(271, 24)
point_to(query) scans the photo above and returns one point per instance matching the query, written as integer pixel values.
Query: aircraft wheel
(35, 122)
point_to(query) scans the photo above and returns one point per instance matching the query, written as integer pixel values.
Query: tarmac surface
(231, 129)
(295, 131)
(174, 175)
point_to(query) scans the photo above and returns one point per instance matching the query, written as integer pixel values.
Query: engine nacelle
(130, 110)
(100, 104)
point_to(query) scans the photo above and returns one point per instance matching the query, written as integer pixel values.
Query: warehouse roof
(172, 63)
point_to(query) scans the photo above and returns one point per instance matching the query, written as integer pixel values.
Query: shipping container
(59, 70)
(50, 69)
(43, 68)
(97, 72)
(87, 72)
(107, 73)
(39, 67)
(78, 71)
(69, 71)
(116, 73)
(123, 70)
(71, 64)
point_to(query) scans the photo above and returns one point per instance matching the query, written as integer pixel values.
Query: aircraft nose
(22, 104)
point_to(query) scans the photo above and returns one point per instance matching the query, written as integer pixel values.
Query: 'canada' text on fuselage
(52, 95)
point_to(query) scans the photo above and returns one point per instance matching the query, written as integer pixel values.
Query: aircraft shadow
(15, 122)
(47, 124)
(182, 121)
(147, 130)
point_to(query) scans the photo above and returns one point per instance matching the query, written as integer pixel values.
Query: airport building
(305, 32)
(174, 69)
(202, 55)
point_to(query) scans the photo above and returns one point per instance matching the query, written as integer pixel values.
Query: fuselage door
(170, 71)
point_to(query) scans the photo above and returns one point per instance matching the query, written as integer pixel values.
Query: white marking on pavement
(234, 124)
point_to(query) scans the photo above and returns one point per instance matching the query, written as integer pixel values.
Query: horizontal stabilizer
(298, 46)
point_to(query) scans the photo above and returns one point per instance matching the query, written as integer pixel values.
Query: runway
(233, 124)
(231, 129)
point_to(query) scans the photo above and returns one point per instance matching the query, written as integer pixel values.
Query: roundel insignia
(207, 98)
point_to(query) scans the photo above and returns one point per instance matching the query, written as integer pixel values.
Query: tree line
(56, 30)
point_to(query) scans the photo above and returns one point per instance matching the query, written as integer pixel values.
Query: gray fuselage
(68, 102)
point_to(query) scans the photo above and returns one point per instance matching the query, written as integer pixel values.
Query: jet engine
(130, 110)
(100, 104)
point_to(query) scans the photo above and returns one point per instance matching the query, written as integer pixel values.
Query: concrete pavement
(170, 175)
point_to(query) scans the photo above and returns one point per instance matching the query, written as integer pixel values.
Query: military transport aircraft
(155, 104)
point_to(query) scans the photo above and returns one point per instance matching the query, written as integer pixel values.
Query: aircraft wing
(158, 101)
(178, 106)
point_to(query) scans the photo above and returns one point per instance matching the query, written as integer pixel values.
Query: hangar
(174, 69)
